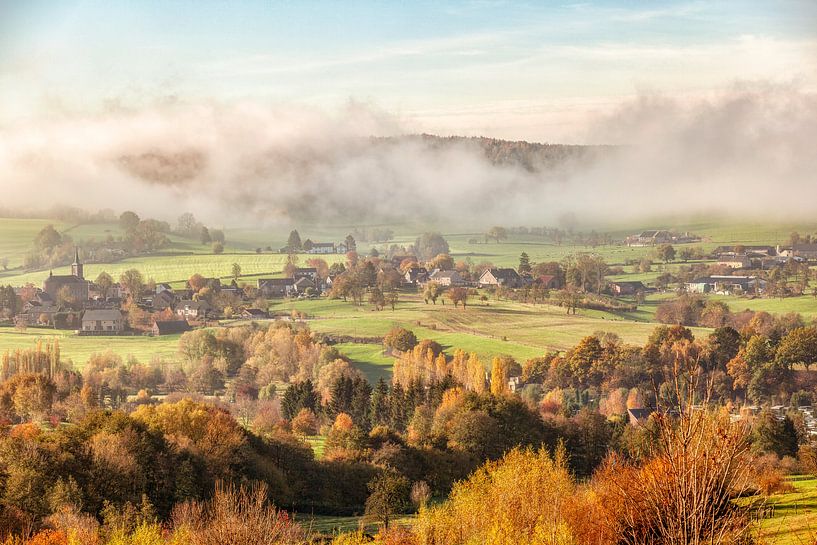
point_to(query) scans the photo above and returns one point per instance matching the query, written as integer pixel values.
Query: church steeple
(76, 266)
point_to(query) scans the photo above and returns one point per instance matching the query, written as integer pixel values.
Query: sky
(538, 71)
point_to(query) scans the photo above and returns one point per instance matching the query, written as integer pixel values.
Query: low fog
(748, 151)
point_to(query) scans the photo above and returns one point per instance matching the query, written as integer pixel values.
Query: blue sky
(534, 70)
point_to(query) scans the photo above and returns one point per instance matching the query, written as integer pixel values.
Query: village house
(196, 310)
(169, 327)
(726, 285)
(162, 300)
(254, 314)
(305, 272)
(415, 276)
(630, 287)
(750, 251)
(322, 248)
(446, 278)
(102, 322)
(304, 283)
(803, 251)
(734, 261)
(547, 281)
(650, 238)
(505, 277)
(276, 287)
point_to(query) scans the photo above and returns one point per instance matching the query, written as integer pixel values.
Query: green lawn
(793, 518)
(17, 237)
(78, 349)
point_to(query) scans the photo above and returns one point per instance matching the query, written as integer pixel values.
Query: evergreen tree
(380, 409)
(524, 264)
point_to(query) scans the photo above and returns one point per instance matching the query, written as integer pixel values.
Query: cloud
(747, 151)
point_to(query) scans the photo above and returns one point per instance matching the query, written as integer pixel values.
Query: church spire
(76, 266)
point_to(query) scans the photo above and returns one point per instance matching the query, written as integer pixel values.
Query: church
(75, 282)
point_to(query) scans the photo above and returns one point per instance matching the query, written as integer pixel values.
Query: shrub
(236, 516)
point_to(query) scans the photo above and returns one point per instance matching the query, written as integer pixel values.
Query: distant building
(446, 278)
(726, 285)
(105, 321)
(188, 309)
(170, 327)
(804, 251)
(75, 282)
(416, 275)
(650, 238)
(254, 314)
(507, 277)
(276, 287)
(305, 272)
(734, 261)
(549, 281)
(627, 288)
(322, 248)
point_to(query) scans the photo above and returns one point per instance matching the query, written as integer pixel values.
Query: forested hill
(532, 156)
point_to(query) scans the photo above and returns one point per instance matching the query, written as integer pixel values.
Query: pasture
(79, 349)
(793, 519)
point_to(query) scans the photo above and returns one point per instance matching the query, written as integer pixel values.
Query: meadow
(793, 516)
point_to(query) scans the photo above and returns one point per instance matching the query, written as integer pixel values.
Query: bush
(401, 339)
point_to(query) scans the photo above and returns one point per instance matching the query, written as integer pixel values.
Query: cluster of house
(763, 257)
(304, 281)
(101, 313)
(657, 237)
(493, 277)
(640, 416)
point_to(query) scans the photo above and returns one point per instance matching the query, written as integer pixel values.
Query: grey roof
(505, 274)
(105, 315)
(445, 274)
(276, 282)
(168, 327)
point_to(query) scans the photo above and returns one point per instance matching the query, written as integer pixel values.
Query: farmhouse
(804, 251)
(416, 275)
(446, 278)
(164, 299)
(508, 278)
(548, 281)
(627, 287)
(650, 238)
(734, 261)
(103, 322)
(192, 309)
(304, 283)
(726, 285)
(254, 314)
(170, 327)
(750, 251)
(276, 287)
(305, 272)
(322, 248)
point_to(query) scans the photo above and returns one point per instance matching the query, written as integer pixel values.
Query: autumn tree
(497, 233)
(236, 271)
(432, 291)
(666, 253)
(104, 282)
(458, 295)
(131, 280)
(389, 495)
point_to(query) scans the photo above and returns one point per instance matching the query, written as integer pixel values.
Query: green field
(793, 519)
(78, 349)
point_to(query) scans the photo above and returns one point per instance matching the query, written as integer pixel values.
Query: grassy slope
(794, 515)
(78, 349)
